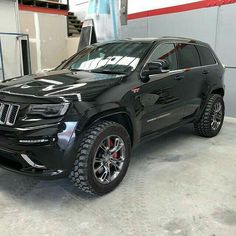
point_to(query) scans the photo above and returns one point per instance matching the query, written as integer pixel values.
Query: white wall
(183, 24)
(48, 38)
(1, 70)
(8, 16)
(72, 46)
(10, 44)
(135, 6)
(79, 7)
(226, 48)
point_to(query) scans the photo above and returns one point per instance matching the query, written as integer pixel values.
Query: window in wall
(166, 52)
(188, 56)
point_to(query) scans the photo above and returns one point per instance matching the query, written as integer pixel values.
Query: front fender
(107, 111)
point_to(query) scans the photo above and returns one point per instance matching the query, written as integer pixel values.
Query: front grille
(8, 113)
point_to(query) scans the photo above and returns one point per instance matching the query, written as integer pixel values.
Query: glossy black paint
(152, 105)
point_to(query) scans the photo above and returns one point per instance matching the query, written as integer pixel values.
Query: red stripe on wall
(23, 7)
(180, 8)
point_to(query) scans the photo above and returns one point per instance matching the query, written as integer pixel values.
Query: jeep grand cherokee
(83, 118)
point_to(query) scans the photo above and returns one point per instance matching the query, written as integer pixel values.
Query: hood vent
(8, 113)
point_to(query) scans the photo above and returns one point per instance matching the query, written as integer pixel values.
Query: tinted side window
(206, 56)
(166, 52)
(188, 56)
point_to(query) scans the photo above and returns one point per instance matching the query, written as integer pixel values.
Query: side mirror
(156, 67)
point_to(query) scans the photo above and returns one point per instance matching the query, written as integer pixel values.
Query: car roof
(171, 39)
(167, 39)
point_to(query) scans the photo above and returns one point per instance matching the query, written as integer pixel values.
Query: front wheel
(212, 118)
(102, 159)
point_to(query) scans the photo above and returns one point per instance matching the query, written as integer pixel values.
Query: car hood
(82, 85)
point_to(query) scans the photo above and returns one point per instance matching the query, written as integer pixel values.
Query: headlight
(48, 110)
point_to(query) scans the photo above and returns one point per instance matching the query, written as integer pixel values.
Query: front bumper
(21, 152)
(17, 162)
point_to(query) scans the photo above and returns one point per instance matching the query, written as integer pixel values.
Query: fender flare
(96, 116)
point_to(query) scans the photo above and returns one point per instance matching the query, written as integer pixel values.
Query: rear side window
(166, 52)
(206, 56)
(188, 56)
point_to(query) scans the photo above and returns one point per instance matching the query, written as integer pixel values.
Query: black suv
(82, 119)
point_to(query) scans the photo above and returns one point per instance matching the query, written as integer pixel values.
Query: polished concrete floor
(178, 184)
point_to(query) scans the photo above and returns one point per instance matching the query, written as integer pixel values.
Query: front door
(163, 96)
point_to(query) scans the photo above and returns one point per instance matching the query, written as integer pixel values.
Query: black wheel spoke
(104, 175)
(116, 165)
(98, 160)
(98, 168)
(104, 147)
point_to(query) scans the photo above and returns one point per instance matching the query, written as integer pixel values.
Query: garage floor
(178, 184)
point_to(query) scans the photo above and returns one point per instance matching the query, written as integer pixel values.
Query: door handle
(205, 72)
(179, 77)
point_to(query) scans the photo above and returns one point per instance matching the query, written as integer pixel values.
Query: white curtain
(106, 16)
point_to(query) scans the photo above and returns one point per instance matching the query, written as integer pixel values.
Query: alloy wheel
(217, 116)
(109, 159)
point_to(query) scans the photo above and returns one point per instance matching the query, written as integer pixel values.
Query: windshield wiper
(74, 69)
(108, 72)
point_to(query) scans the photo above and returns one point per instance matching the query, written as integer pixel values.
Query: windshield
(115, 58)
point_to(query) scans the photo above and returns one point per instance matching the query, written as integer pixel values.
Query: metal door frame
(18, 36)
(1, 57)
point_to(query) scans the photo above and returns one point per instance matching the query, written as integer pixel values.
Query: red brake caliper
(115, 154)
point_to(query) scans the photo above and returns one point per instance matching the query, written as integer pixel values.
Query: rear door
(162, 96)
(194, 78)
(209, 63)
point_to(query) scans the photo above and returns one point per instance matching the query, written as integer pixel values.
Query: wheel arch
(219, 91)
(215, 90)
(120, 117)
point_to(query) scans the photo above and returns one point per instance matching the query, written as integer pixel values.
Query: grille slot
(8, 113)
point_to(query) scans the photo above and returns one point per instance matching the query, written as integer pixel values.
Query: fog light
(29, 141)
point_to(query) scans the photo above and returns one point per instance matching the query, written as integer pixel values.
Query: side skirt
(165, 130)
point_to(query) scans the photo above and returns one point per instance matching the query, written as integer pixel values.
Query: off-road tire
(82, 175)
(203, 125)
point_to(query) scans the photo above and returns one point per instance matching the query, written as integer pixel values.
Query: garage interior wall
(47, 36)
(214, 25)
(79, 7)
(11, 49)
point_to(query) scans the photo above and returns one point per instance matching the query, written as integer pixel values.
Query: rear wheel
(212, 118)
(102, 159)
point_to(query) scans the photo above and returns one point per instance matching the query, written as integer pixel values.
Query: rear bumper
(53, 158)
